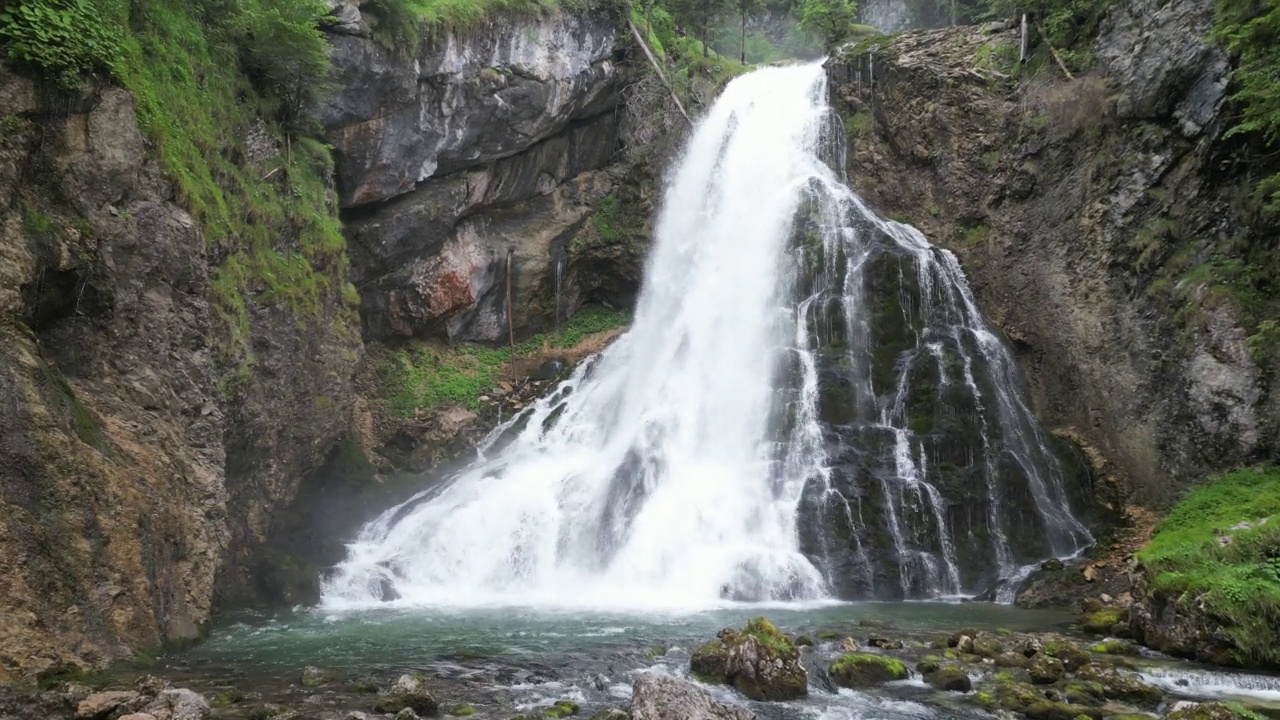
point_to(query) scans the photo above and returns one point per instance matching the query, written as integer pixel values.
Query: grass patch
(1239, 582)
(769, 635)
(425, 375)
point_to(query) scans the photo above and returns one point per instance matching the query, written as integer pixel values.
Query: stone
(1101, 621)
(857, 670)
(656, 696)
(106, 704)
(848, 644)
(137, 716)
(950, 678)
(762, 662)
(1203, 711)
(884, 643)
(1046, 670)
(1121, 686)
(611, 714)
(406, 713)
(408, 691)
(179, 704)
(314, 677)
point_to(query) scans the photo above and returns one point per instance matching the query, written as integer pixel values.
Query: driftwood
(1053, 52)
(658, 68)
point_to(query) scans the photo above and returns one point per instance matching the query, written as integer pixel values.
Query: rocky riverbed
(886, 661)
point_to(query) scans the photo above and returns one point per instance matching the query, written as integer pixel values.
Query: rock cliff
(1100, 219)
(147, 480)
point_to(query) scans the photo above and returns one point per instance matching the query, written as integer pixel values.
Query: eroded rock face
(1084, 213)
(465, 100)
(488, 146)
(122, 453)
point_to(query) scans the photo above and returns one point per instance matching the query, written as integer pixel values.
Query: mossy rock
(855, 670)
(1082, 692)
(1049, 710)
(313, 677)
(1205, 711)
(928, 664)
(611, 714)
(1012, 660)
(760, 660)
(829, 635)
(225, 698)
(462, 710)
(1046, 670)
(987, 647)
(950, 678)
(1119, 686)
(804, 641)
(1115, 647)
(561, 709)
(1102, 620)
(1071, 655)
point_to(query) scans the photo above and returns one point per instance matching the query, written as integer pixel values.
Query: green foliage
(401, 24)
(424, 375)
(1239, 581)
(64, 39)
(1250, 31)
(832, 20)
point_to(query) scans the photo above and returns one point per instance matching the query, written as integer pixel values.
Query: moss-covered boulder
(1113, 646)
(760, 660)
(950, 678)
(409, 691)
(561, 709)
(1024, 699)
(1046, 670)
(1073, 657)
(856, 670)
(314, 677)
(1082, 692)
(1121, 686)
(1102, 620)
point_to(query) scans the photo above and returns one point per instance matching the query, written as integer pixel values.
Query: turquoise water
(403, 638)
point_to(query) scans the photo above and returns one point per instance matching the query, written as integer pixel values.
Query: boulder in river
(760, 660)
(179, 704)
(409, 691)
(655, 696)
(856, 670)
(950, 678)
(1046, 670)
(1203, 711)
(314, 677)
(1121, 686)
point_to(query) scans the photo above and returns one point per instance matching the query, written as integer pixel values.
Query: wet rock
(106, 704)
(848, 644)
(884, 643)
(151, 685)
(1082, 692)
(930, 663)
(551, 369)
(611, 714)
(179, 704)
(1046, 670)
(1030, 646)
(409, 691)
(1052, 565)
(655, 696)
(761, 661)
(950, 678)
(856, 670)
(137, 716)
(406, 713)
(1072, 657)
(600, 682)
(314, 677)
(1012, 660)
(463, 710)
(561, 709)
(1115, 647)
(804, 641)
(1203, 711)
(1121, 686)
(987, 647)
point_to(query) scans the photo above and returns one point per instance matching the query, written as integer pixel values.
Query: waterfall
(754, 435)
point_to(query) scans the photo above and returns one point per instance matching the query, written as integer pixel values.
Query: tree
(699, 15)
(1250, 31)
(746, 7)
(830, 19)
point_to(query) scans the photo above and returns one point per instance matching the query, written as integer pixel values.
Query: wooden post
(1022, 54)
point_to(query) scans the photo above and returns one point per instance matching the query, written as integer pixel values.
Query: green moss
(561, 709)
(655, 651)
(1101, 621)
(769, 635)
(401, 24)
(859, 124)
(462, 710)
(1114, 647)
(225, 698)
(860, 669)
(1237, 582)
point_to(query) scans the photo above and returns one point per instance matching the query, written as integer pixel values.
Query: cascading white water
(692, 461)
(656, 484)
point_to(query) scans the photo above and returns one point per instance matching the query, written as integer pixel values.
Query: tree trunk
(744, 36)
(706, 21)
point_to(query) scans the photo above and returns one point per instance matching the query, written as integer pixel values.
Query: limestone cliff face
(139, 490)
(1087, 215)
(479, 146)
